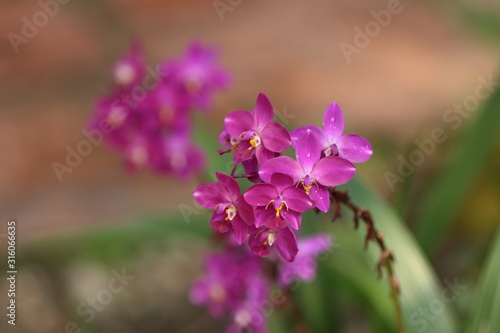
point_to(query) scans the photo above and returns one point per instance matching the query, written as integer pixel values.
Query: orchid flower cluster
(146, 116)
(265, 219)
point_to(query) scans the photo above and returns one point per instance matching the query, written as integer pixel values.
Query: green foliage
(484, 316)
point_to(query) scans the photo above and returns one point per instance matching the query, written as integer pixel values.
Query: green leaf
(439, 208)
(485, 315)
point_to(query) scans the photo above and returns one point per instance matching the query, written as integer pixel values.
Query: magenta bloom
(352, 147)
(197, 74)
(179, 156)
(130, 69)
(310, 170)
(254, 133)
(278, 202)
(303, 268)
(282, 238)
(228, 277)
(232, 212)
(147, 115)
(249, 316)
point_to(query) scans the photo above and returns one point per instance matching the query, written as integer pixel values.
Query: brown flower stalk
(386, 257)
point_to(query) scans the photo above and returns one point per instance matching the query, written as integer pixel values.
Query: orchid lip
(332, 150)
(231, 212)
(255, 141)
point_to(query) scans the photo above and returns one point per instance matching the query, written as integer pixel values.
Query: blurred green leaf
(114, 242)
(486, 22)
(485, 312)
(419, 283)
(440, 206)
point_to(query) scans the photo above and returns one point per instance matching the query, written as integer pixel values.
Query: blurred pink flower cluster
(147, 116)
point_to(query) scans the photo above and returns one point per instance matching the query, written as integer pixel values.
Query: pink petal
(354, 148)
(264, 215)
(218, 222)
(293, 218)
(286, 244)
(260, 194)
(263, 112)
(296, 199)
(281, 181)
(308, 151)
(240, 229)
(263, 154)
(245, 210)
(275, 137)
(321, 197)
(210, 195)
(333, 122)
(230, 184)
(318, 132)
(314, 245)
(281, 164)
(333, 171)
(238, 122)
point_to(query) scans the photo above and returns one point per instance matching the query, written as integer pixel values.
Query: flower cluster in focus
(264, 220)
(147, 115)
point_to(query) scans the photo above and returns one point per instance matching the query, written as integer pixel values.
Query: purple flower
(232, 212)
(228, 275)
(197, 74)
(130, 69)
(282, 238)
(352, 147)
(234, 281)
(178, 156)
(149, 122)
(278, 202)
(254, 133)
(311, 171)
(304, 266)
(249, 316)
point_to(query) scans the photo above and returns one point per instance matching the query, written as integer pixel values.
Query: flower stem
(386, 257)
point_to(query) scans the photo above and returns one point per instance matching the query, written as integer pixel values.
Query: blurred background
(397, 89)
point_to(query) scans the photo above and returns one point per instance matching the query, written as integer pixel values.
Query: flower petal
(314, 245)
(245, 210)
(275, 137)
(354, 148)
(264, 215)
(321, 197)
(281, 164)
(292, 217)
(260, 194)
(218, 222)
(210, 195)
(240, 229)
(308, 151)
(238, 122)
(263, 154)
(297, 200)
(297, 133)
(228, 182)
(333, 122)
(333, 171)
(281, 181)
(263, 112)
(286, 243)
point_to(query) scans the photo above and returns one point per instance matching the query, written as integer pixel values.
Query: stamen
(307, 188)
